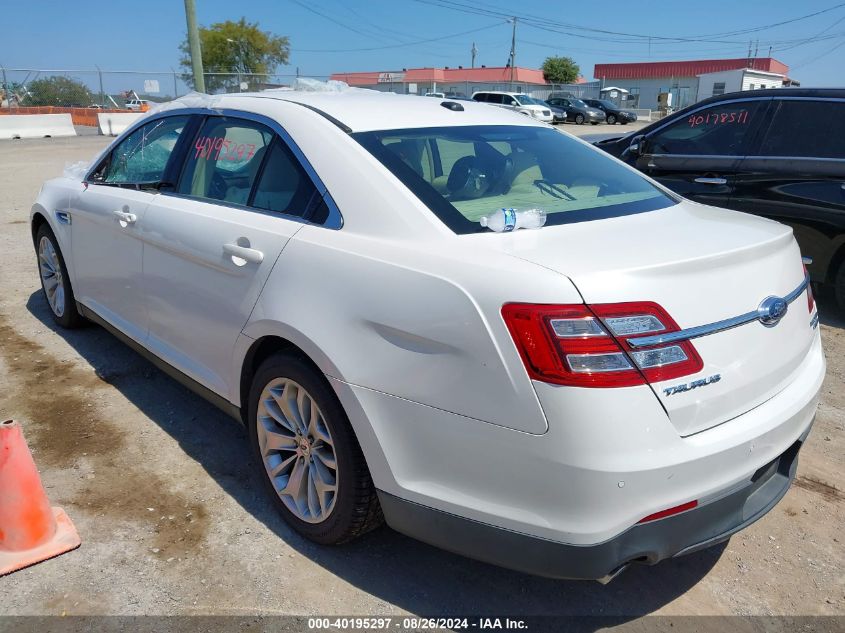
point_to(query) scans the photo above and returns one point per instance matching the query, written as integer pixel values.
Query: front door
(211, 244)
(106, 217)
(697, 154)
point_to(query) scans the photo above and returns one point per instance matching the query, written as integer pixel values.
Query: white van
(518, 102)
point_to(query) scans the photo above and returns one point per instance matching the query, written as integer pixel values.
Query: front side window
(478, 170)
(225, 160)
(141, 158)
(720, 130)
(796, 130)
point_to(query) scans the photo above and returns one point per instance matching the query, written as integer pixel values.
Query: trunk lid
(702, 265)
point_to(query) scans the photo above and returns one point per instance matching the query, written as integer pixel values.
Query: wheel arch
(837, 260)
(259, 351)
(264, 346)
(37, 218)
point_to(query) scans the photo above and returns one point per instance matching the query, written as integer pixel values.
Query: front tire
(55, 282)
(308, 455)
(579, 119)
(611, 119)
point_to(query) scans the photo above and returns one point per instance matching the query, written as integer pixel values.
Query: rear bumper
(647, 543)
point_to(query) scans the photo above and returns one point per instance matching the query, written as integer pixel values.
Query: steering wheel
(467, 179)
(218, 188)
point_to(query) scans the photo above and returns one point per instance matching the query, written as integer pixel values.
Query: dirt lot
(173, 520)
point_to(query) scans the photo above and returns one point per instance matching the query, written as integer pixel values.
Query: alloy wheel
(297, 449)
(51, 276)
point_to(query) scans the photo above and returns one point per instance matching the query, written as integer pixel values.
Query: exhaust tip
(604, 580)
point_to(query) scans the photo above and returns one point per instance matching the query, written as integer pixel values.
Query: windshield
(464, 173)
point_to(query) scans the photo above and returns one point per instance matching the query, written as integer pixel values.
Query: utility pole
(474, 52)
(102, 92)
(194, 43)
(6, 89)
(513, 52)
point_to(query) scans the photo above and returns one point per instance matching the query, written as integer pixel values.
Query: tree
(560, 70)
(57, 91)
(238, 48)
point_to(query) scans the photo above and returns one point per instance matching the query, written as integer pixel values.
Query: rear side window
(720, 130)
(224, 162)
(143, 155)
(806, 129)
(283, 185)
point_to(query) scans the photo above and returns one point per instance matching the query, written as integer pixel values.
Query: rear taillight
(586, 346)
(811, 300)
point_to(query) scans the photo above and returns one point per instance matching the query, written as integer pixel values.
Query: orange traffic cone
(30, 531)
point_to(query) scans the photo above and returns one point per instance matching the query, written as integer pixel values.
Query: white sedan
(629, 382)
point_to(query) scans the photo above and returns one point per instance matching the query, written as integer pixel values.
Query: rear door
(697, 154)
(210, 245)
(796, 175)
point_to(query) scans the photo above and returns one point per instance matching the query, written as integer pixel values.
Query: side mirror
(637, 146)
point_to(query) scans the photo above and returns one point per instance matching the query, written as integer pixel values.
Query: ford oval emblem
(771, 310)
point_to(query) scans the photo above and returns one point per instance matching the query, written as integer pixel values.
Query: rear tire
(55, 282)
(611, 119)
(336, 501)
(839, 287)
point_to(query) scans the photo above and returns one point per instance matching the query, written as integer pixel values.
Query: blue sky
(144, 36)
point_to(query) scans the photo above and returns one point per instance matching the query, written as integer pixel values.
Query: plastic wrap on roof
(77, 170)
(190, 100)
(306, 84)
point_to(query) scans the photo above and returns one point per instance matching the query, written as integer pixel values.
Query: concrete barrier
(35, 125)
(114, 123)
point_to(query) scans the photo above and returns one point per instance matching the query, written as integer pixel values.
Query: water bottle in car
(505, 220)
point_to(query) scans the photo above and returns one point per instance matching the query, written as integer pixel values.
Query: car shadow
(413, 576)
(829, 312)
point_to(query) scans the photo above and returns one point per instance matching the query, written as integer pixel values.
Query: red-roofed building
(447, 80)
(682, 79)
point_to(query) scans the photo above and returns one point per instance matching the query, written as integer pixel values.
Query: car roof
(362, 110)
(835, 93)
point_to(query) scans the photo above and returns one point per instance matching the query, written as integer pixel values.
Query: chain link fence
(28, 87)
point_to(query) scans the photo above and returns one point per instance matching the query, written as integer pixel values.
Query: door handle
(125, 218)
(242, 252)
(712, 181)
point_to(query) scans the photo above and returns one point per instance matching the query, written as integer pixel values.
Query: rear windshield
(464, 173)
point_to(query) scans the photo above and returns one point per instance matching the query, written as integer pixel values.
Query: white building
(712, 84)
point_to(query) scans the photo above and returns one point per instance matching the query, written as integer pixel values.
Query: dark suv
(775, 153)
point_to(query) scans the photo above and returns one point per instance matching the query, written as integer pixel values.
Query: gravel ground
(173, 521)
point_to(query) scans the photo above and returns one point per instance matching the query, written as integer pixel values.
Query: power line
(544, 23)
(388, 46)
(818, 57)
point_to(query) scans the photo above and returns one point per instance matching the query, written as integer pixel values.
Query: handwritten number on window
(718, 118)
(215, 148)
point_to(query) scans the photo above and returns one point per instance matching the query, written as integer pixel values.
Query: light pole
(240, 66)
